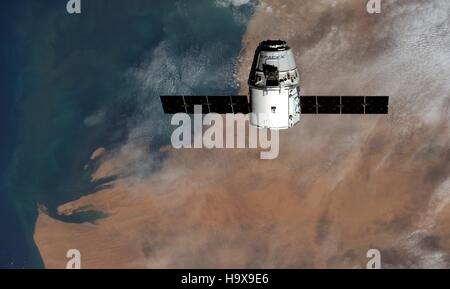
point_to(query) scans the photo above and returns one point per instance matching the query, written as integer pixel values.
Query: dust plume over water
(342, 184)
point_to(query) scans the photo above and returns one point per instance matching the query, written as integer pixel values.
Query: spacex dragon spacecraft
(274, 99)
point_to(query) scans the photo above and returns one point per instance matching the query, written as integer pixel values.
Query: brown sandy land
(339, 187)
(97, 153)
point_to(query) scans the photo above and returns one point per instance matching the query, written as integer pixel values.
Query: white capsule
(274, 84)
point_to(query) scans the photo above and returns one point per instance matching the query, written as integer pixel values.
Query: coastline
(54, 236)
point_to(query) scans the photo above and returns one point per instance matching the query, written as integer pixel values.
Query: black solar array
(309, 104)
(216, 103)
(344, 104)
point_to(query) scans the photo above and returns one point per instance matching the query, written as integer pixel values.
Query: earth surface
(91, 166)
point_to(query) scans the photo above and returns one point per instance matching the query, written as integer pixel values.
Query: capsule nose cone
(273, 65)
(273, 45)
(273, 56)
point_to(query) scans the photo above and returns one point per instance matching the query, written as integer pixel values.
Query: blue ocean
(73, 83)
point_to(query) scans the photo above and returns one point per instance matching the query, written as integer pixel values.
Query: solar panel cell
(308, 104)
(329, 104)
(173, 103)
(377, 104)
(352, 104)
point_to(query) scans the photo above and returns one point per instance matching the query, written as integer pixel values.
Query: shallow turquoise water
(77, 82)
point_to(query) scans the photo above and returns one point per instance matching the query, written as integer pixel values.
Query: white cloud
(235, 3)
(94, 119)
